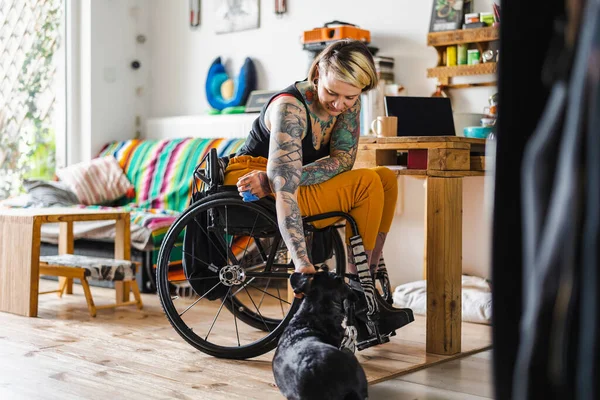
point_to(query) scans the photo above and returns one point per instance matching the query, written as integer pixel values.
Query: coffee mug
(385, 126)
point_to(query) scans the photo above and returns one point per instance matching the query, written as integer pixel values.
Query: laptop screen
(421, 116)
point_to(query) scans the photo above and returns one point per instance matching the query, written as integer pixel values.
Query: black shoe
(385, 322)
(391, 318)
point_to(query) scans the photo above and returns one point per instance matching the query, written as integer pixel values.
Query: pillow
(49, 193)
(476, 298)
(98, 181)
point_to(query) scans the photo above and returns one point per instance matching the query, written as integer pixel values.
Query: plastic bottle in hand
(247, 196)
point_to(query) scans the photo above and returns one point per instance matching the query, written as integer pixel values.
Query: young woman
(302, 149)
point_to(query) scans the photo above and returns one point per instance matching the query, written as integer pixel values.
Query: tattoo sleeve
(264, 184)
(284, 167)
(344, 144)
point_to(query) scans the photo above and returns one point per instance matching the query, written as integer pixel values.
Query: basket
(332, 33)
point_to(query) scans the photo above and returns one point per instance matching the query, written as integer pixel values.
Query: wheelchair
(223, 269)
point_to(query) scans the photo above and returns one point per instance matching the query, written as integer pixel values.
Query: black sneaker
(387, 321)
(391, 318)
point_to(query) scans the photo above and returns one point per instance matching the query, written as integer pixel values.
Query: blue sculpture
(243, 84)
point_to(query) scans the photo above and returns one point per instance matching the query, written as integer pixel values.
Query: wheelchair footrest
(372, 341)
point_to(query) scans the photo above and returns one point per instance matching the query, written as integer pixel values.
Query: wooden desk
(20, 232)
(449, 160)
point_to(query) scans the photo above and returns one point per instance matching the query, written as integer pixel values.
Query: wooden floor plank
(136, 354)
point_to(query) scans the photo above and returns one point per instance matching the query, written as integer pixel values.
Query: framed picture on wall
(236, 15)
(446, 15)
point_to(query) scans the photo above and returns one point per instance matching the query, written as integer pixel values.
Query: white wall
(104, 101)
(175, 60)
(181, 56)
(115, 102)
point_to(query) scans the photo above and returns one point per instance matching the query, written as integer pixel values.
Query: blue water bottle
(247, 196)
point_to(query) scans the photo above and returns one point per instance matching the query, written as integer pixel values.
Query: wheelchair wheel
(240, 264)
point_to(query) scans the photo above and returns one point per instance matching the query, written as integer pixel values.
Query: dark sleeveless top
(257, 142)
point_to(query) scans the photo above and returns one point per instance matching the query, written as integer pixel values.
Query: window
(32, 91)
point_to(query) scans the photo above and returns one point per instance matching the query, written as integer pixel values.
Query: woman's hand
(303, 270)
(256, 183)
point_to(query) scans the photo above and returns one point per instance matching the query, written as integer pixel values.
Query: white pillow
(476, 298)
(98, 181)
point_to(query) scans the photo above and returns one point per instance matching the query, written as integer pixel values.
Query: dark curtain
(546, 202)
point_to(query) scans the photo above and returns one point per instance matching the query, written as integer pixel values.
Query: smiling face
(335, 95)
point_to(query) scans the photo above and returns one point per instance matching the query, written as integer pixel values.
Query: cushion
(103, 269)
(476, 298)
(49, 193)
(98, 181)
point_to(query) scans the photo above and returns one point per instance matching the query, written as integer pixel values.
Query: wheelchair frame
(211, 199)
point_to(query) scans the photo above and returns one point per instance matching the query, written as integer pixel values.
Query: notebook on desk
(421, 116)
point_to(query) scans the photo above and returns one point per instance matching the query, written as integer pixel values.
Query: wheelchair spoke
(243, 287)
(237, 332)
(263, 295)
(218, 313)
(274, 250)
(257, 310)
(199, 297)
(228, 245)
(251, 232)
(196, 302)
(209, 238)
(203, 278)
(280, 304)
(221, 238)
(261, 250)
(255, 257)
(269, 294)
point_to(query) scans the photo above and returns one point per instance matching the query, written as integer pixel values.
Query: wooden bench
(83, 268)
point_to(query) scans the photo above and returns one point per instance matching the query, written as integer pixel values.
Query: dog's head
(323, 286)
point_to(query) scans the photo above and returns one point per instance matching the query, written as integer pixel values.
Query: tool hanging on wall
(280, 7)
(194, 13)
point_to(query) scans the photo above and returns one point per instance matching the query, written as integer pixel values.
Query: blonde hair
(349, 60)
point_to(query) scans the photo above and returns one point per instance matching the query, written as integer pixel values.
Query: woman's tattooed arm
(344, 144)
(288, 126)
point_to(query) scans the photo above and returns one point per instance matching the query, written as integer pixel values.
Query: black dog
(308, 362)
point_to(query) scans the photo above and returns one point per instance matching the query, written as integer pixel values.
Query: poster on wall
(447, 15)
(236, 15)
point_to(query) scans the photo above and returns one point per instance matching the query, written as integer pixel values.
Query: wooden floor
(132, 354)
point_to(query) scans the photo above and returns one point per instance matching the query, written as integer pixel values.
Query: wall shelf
(462, 70)
(461, 36)
(479, 38)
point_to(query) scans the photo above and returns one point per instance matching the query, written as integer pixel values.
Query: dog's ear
(301, 282)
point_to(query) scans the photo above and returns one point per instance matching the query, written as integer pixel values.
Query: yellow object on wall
(227, 89)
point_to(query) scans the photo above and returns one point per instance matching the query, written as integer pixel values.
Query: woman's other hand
(256, 183)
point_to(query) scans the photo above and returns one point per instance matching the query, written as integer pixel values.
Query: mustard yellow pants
(368, 195)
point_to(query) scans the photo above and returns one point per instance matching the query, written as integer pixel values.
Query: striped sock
(364, 274)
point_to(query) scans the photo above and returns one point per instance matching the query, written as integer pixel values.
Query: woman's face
(336, 96)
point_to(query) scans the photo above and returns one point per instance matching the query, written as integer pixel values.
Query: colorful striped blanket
(161, 172)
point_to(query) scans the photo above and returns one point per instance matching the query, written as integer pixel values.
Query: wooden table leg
(122, 252)
(19, 264)
(66, 246)
(443, 235)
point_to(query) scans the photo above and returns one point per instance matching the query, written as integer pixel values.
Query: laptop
(421, 116)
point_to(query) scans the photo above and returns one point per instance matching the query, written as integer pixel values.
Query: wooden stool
(82, 267)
